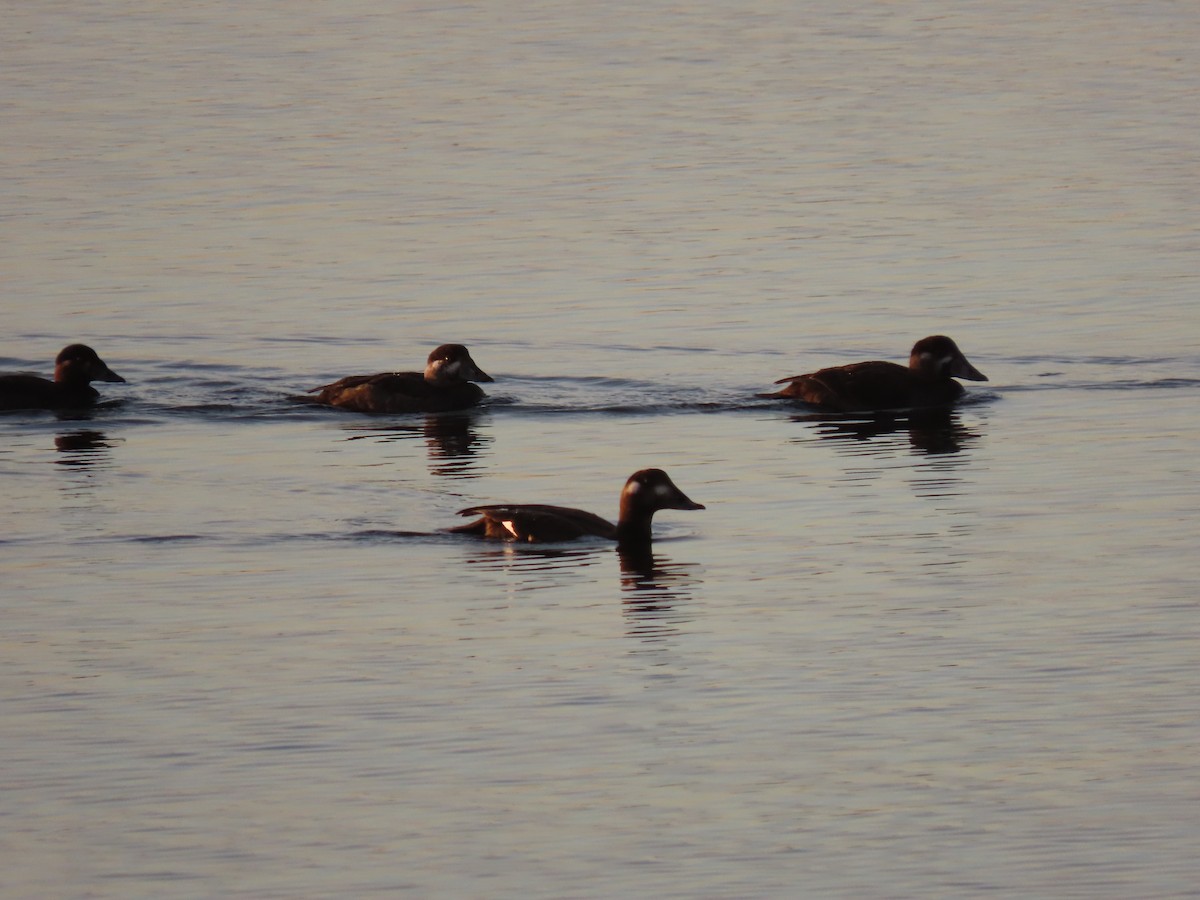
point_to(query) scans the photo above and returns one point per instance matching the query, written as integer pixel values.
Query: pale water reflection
(533, 568)
(930, 432)
(83, 449)
(894, 658)
(456, 445)
(658, 594)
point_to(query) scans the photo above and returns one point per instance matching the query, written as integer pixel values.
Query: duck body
(397, 392)
(445, 385)
(927, 381)
(75, 368)
(644, 493)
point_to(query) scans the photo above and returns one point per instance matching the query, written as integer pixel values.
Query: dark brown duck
(928, 381)
(644, 494)
(75, 368)
(444, 385)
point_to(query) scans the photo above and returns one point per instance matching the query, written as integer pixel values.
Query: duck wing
(397, 392)
(25, 392)
(383, 392)
(856, 387)
(20, 391)
(335, 387)
(385, 380)
(535, 523)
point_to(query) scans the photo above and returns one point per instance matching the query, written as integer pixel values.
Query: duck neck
(633, 529)
(70, 382)
(69, 376)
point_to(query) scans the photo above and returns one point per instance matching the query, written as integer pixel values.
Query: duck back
(870, 385)
(32, 392)
(397, 392)
(535, 522)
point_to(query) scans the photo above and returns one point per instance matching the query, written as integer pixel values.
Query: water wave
(207, 391)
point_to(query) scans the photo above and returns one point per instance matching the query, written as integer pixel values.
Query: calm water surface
(893, 657)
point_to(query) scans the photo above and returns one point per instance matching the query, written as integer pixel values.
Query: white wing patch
(512, 528)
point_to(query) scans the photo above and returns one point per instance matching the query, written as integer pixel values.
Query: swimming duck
(444, 385)
(646, 492)
(74, 370)
(933, 365)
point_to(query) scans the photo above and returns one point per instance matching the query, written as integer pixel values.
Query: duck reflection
(535, 567)
(929, 432)
(84, 454)
(655, 593)
(451, 441)
(83, 449)
(453, 444)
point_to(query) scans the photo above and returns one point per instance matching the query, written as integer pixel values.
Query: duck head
(939, 357)
(80, 364)
(452, 364)
(645, 493)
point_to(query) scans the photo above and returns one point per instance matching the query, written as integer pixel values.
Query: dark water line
(1123, 385)
(590, 397)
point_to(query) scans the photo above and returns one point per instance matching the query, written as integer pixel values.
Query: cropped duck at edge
(928, 381)
(645, 493)
(75, 368)
(444, 385)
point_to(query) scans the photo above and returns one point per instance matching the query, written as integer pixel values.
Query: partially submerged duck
(645, 493)
(75, 368)
(928, 380)
(444, 385)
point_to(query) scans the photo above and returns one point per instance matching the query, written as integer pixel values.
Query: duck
(444, 385)
(645, 493)
(75, 368)
(928, 381)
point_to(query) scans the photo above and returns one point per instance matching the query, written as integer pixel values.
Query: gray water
(892, 658)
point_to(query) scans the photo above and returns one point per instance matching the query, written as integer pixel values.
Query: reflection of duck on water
(928, 380)
(930, 431)
(451, 440)
(645, 492)
(82, 442)
(75, 368)
(653, 589)
(83, 451)
(452, 443)
(539, 566)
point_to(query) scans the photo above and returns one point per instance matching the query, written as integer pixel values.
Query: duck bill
(963, 369)
(104, 373)
(683, 501)
(472, 372)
